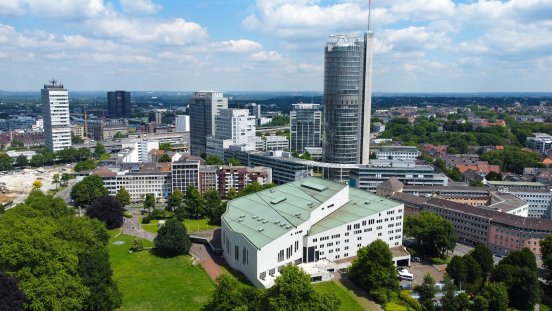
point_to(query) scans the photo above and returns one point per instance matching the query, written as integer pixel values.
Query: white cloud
(266, 56)
(173, 32)
(239, 46)
(139, 6)
(55, 9)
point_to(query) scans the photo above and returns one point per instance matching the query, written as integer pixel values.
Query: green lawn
(349, 300)
(192, 225)
(148, 282)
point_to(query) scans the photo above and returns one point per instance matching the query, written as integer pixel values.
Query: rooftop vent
(314, 186)
(297, 214)
(260, 229)
(242, 216)
(288, 227)
(276, 222)
(366, 202)
(254, 217)
(282, 225)
(278, 200)
(264, 221)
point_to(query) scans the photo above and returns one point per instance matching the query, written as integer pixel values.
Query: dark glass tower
(118, 105)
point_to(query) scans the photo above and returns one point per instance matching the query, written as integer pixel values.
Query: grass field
(349, 300)
(148, 282)
(192, 225)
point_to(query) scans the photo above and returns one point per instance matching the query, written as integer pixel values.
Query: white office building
(302, 223)
(232, 127)
(540, 142)
(273, 143)
(55, 109)
(136, 151)
(182, 123)
(397, 153)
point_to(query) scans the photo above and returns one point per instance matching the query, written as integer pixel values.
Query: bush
(381, 295)
(415, 304)
(127, 214)
(146, 220)
(393, 306)
(440, 261)
(137, 245)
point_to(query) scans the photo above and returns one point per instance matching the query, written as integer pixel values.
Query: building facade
(55, 109)
(182, 123)
(204, 106)
(239, 177)
(347, 99)
(232, 127)
(184, 172)
(119, 105)
(304, 222)
(397, 153)
(540, 142)
(305, 127)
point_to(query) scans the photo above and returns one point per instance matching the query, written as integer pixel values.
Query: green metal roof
(267, 215)
(362, 204)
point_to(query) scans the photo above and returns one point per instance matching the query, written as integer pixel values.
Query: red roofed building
(481, 167)
(498, 122)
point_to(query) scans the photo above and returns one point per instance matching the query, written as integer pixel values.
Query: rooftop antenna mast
(369, 13)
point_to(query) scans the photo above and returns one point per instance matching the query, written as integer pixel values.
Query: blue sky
(273, 45)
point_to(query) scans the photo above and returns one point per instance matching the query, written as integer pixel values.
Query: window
(237, 253)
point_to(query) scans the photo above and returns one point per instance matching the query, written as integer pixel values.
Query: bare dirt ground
(19, 183)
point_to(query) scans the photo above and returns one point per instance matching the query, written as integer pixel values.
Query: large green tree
(497, 296)
(87, 190)
(149, 202)
(435, 235)
(373, 269)
(175, 199)
(6, 162)
(512, 159)
(546, 254)
(482, 254)
(193, 201)
(99, 149)
(214, 160)
(21, 161)
(172, 239)
(427, 292)
(213, 206)
(457, 270)
(123, 196)
(293, 290)
(232, 295)
(108, 210)
(88, 164)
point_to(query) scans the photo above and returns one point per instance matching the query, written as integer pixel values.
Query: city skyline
(268, 45)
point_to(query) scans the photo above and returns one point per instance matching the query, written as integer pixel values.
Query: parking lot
(419, 269)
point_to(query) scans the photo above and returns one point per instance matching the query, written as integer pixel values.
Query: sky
(273, 45)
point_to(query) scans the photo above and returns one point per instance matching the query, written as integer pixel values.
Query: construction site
(16, 185)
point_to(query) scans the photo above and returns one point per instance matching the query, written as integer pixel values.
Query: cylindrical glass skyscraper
(343, 86)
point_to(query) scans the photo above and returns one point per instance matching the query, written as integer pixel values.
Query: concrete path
(131, 226)
(207, 259)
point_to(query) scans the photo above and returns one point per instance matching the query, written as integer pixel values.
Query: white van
(405, 275)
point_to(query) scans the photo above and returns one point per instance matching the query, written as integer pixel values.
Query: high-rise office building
(55, 109)
(204, 106)
(305, 126)
(182, 123)
(119, 105)
(347, 99)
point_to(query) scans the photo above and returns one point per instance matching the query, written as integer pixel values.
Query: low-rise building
(303, 222)
(540, 142)
(397, 153)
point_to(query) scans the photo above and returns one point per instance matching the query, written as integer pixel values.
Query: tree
(175, 199)
(108, 210)
(87, 190)
(123, 197)
(55, 179)
(83, 153)
(149, 202)
(476, 183)
(525, 291)
(11, 297)
(233, 162)
(165, 146)
(17, 144)
(293, 290)
(457, 270)
(214, 160)
(137, 245)
(435, 235)
(37, 160)
(306, 156)
(230, 295)
(21, 161)
(37, 184)
(6, 162)
(480, 303)
(193, 201)
(373, 269)
(512, 159)
(494, 176)
(88, 164)
(427, 291)
(214, 206)
(119, 135)
(172, 239)
(165, 158)
(76, 139)
(65, 177)
(497, 296)
(99, 149)
(474, 276)
(546, 254)
(521, 259)
(231, 194)
(180, 213)
(483, 256)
